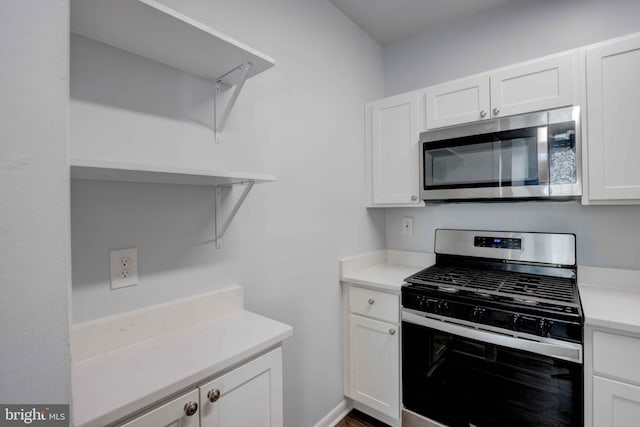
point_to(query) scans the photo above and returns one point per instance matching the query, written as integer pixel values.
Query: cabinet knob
(483, 113)
(190, 408)
(392, 331)
(496, 111)
(371, 301)
(414, 198)
(213, 395)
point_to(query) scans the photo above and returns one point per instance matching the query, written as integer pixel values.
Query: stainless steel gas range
(492, 333)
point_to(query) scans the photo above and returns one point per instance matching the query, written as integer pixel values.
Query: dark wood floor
(356, 418)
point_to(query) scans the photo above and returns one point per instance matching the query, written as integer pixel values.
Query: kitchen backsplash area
(605, 235)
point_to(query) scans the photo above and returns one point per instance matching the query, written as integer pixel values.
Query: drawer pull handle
(483, 113)
(213, 395)
(496, 111)
(190, 408)
(392, 331)
(371, 301)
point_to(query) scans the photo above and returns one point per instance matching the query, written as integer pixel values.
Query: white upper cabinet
(392, 133)
(460, 101)
(533, 86)
(613, 110)
(541, 84)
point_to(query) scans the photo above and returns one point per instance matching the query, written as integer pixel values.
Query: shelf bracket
(228, 88)
(220, 225)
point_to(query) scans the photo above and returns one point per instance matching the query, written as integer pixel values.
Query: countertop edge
(384, 270)
(602, 289)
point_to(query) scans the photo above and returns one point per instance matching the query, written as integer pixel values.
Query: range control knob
(514, 321)
(443, 307)
(479, 314)
(543, 327)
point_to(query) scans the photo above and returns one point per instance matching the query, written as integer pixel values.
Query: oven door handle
(549, 347)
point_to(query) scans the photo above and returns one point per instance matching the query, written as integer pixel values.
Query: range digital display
(497, 242)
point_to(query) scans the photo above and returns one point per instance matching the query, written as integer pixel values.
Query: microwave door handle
(543, 155)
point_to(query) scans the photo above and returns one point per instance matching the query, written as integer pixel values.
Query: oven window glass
(498, 160)
(461, 382)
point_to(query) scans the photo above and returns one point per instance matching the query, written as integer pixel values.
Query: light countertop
(610, 297)
(385, 270)
(110, 386)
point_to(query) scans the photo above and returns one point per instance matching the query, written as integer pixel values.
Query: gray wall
(301, 120)
(518, 31)
(510, 33)
(35, 271)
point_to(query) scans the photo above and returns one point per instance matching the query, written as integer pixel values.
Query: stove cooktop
(558, 294)
(522, 282)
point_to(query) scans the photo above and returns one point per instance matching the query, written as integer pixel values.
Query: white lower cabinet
(374, 364)
(616, 404)
(372, 351)
(249, 395)
(612, 378)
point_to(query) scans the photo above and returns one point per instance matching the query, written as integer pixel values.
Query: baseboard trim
(335, 415)
(393, 422)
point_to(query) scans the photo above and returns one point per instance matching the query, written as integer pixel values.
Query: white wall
(302, 121)
(518, 31)
(34, 203)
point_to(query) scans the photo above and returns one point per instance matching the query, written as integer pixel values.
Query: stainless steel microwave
(530, 156)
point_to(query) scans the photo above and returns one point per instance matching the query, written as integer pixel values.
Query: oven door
(457, 380)
(505, 158)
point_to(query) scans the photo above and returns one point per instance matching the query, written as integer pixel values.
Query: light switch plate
(407, 226)
(124, 267)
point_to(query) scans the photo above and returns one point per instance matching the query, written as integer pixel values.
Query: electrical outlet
(407, 226)
(124, 267)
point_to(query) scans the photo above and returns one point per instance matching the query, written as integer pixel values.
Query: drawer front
(380, 305)
(616, 355)
(172, 413)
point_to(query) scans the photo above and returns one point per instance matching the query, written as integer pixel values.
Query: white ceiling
(387, 21)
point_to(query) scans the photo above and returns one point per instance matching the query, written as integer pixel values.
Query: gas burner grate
(524, 288)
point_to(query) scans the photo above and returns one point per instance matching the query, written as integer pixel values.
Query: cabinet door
(613, 109)
(374, 366)
(533, 86)
(615, 404)
(171, 414)
(393, 142)
(250, 395)
(459, 101)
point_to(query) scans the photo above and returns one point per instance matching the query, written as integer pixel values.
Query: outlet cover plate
(407, 226)
(123, 267)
